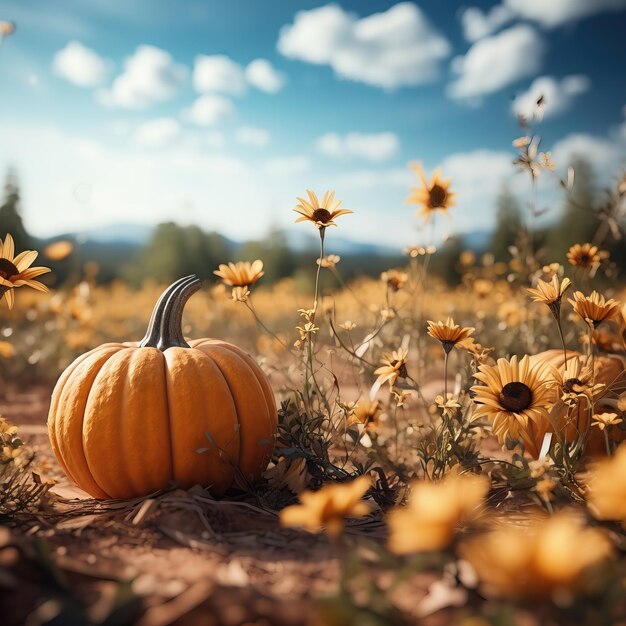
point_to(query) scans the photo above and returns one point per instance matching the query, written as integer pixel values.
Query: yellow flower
(514, 397)
(6, 350)
(550, 293)
(240, 274)
(585, 256)
(16, 271)
(240, 294)
(329, 261)
(538, 560)
(59, 250)
(393, 366)
(328, 507)
(595, 309)
(606, 488)
(602, 420)
(449, 333)
(432, 196)
(574, 382)
(434, 511)
(449, 406)
(348, 325)
(395, 279)
(321, 214)
(366, 413)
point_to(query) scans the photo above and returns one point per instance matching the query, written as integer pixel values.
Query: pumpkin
(608, 368)
(128, 419)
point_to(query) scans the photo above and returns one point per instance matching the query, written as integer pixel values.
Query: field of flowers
(440, 455)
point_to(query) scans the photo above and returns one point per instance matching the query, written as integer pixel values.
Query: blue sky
(220, 113)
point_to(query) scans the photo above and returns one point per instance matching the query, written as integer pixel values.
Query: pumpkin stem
(151, 338)
(171, 330)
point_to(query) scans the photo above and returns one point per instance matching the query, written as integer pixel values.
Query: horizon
(220, 117)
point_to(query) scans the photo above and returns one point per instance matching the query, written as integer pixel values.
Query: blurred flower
(521, 142)
(328, 507)
(240, 294)
(550, 293)
(594, 309)
(513, 397)
(449, 406)
(366, 413)
(467, 258)
(329, 261)
(292, 474)
(387, 314)
(541, 560)
(544, 488)
(574, 382)
(308, 329)
(606, 488)
(482, 287)
(448, 333)
(432, 196)
(602, 420)
(393, 366)
(434, 511)
(16, 271)
(348, 325)
(394, 279)
(240, 274)
(59, 250)
(585, 256)
(6, 350)
(322, 215)
(401, 396)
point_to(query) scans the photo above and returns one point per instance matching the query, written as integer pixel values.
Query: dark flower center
(322, 215)
(573, 385)
(515, 397)
(401, 367)
(7, 269)
(438, 196)
(584, 259)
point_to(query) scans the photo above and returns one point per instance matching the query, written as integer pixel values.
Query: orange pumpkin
(607, 368)
(127, 419)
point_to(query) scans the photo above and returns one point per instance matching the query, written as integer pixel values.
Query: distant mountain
(137, 234)
(305, 242)
(477, 240)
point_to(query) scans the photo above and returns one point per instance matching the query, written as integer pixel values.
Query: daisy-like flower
(539, 560)
(366, 413)
(585, 256)
(606, 488)
(328, 508)
(323, 213)
(602, 420)
(448, 407)
(394, 279)
(514, 397)
(329, 261)
(432, 196)
(348, 325)
(16, 271)
(595, 309)
(574, 382)
(393, 366)
(240, 274)
(448, 333)
(550, 293)
(434, 511)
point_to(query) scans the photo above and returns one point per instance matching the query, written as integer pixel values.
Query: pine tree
(508, 225)
(10, 218)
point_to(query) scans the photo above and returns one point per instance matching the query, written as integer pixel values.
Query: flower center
(584, 259)
(401, 367)
(573, 385)
(7, 269)
(438, 196)
(322, 215)
(515, 397)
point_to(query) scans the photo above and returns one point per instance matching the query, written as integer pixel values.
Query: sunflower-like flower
(432, 196)
(394, 279)
(595, 308)
(575, 382)
(366, 413)
(328, 507)
(586, 256)
(514, 397)
(606, 488)
(323, 213)
(550, 293)
(540, 560)
(393, 365)
(602, 420)
(434, 511)
(449, 333)
(240, 274)
(16, 271)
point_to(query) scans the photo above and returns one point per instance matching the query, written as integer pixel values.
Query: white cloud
(150, 75)
(282, 166)
(497, 62)
(554, 13)
(218, 74)
(158, 133)
(391, 49)
(558, 95)
(261, 74)
(80, 65)
(606, 156)
(373, 147)
(478, 24)
(250, 136)
(208, 110)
